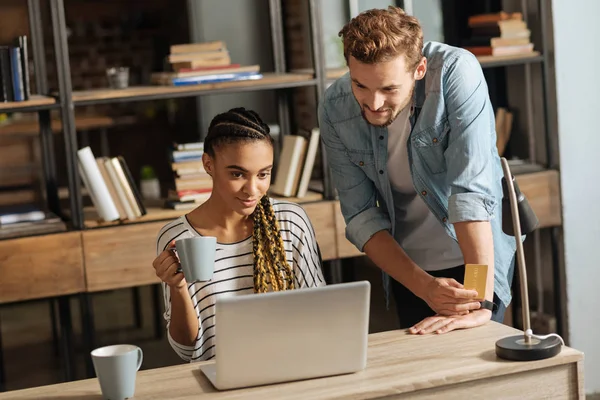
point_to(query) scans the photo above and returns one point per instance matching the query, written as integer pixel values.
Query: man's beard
(387, 123)
(395, 112)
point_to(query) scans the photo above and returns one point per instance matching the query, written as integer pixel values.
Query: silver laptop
(292, 335)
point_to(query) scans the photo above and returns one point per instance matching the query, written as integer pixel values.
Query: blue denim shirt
(453, 158)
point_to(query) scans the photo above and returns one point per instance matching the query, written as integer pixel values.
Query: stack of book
(193, 185)
(205, 62)
(499, 34)
(27, 219)
(111, 187)
(14, 72)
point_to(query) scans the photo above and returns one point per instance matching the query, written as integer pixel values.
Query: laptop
(291, 335)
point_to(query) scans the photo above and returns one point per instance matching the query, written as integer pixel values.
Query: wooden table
(459, 364)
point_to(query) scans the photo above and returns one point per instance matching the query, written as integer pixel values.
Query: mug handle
(140, 358)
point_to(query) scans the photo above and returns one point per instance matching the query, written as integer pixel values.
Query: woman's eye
(264, 175)
(236, 174)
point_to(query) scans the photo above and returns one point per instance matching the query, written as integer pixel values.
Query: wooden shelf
(163, 214)
(335, 73)
(485, 61)
(138, 93)
(502, 61)
(35, 103)
(82, 123)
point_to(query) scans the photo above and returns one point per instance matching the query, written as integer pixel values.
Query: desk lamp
(525, 347)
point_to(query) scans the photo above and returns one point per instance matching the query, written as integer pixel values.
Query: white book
(92, 178)
(290, 166)
(309, 162)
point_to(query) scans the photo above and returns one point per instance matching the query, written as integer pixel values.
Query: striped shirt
(233, 271)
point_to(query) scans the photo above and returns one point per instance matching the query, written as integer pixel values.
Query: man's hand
(446, 296)
(443, 324)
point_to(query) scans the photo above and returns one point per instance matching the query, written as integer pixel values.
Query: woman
(262, 244)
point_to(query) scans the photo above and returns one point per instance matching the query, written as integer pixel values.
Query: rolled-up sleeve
(357, 193)
(471, 156)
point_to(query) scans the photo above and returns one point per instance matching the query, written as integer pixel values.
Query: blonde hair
(271, 269)
(376, 36)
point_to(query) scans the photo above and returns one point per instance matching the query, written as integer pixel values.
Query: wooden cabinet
(542, 190)
(322, 218)
(120, 256)
(41, 267)
(344, 247)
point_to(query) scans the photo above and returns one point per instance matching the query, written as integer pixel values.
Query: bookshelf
(35, 103)
(164, 214)
(270, 81)
(82, 225)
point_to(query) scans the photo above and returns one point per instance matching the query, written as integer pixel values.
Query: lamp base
(514, 348)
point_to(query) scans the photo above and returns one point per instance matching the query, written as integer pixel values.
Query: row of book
(295, 164)
(203, 62)
(498, 34)
(193, 186)
(14, 71)
(111, 186)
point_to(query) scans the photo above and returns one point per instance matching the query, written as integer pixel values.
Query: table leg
(2, 371)
(137, 306)
(88, 330)
(66, 337)
(157, 311)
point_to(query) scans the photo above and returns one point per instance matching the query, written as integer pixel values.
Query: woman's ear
(208, 163)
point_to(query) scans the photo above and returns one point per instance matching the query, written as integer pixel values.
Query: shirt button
(434, 140)
(424, 193)
(361, 163)
(381, 171)
(381, 137)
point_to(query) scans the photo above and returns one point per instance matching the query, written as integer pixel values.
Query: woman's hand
(168, 268)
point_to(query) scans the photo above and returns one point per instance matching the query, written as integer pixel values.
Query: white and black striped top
(234, 271)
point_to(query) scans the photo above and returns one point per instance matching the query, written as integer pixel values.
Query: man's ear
(208, 164)
(421, 69)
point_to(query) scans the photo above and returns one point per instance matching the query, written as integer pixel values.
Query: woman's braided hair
(271, 270)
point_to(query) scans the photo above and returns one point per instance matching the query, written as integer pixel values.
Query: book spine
(25, 67)
(17, 73)
(7, 86)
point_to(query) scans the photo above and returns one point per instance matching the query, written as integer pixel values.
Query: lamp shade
(528, 219)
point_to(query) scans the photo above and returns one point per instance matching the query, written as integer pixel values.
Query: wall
(249, 43)
(575, 35)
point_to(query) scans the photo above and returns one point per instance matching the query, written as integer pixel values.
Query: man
(410, 141)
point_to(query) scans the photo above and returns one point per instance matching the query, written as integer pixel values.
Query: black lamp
(525, 347)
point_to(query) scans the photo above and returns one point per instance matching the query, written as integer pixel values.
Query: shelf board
(485, 61)
(82, 123)
(157, 92)
(35, 103)
(335, 73)
(503, 61)
(160, 214)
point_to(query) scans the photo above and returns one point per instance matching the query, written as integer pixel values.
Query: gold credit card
(476, 278)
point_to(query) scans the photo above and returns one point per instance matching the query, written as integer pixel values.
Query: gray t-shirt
(418, 231)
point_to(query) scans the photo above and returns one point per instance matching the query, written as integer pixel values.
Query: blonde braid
(267, 241)
(260, 276)
(278, 250)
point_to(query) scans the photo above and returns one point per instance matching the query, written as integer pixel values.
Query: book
(195, 80)
(290, 166)
(309, 162)
(93, 181)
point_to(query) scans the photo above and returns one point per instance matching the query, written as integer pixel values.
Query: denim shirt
(453, 158)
